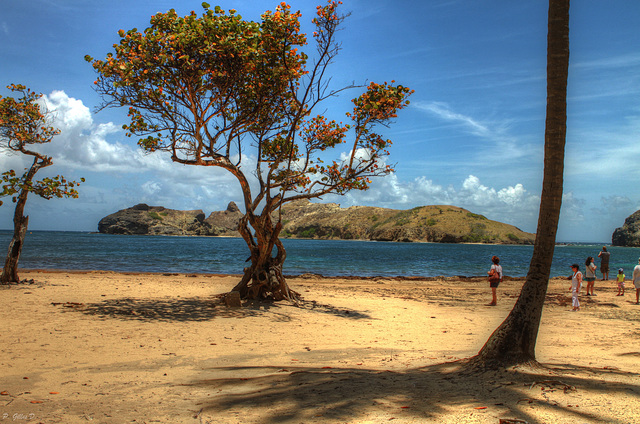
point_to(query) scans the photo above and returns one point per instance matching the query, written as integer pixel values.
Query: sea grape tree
(24, 124)
(217, 90)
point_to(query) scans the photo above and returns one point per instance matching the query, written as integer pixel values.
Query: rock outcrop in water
(303, 219)
(629, 234)
(143, 219)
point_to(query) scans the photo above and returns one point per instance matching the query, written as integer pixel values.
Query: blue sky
(472, 137)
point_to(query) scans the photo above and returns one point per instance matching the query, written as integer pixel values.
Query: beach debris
(512, 421)
(553, 385)
(232, 299)
(69, 304)
(198, 413)
(308, 276)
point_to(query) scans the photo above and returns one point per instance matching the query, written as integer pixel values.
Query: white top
(498, 269)
(636, 274)
(575, 281)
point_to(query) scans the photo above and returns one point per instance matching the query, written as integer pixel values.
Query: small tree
(24, 123)
(207, 89)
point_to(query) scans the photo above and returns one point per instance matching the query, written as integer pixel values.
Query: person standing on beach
(620, 282)
(576, 285)
(590, 276)
(604, 262)
(636, 281)
(495, 277)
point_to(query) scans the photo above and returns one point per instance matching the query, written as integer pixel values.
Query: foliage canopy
(210, 88)
(23, 124)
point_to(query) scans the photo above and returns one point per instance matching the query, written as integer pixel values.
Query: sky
(472, 137)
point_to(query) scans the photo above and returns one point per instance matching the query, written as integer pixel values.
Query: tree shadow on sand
(201, 309)
(557, 392)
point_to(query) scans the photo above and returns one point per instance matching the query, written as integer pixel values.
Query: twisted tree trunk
(263, 279)
(20, 224)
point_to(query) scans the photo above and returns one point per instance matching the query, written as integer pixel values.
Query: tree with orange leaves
(24, 123)
(208, 88)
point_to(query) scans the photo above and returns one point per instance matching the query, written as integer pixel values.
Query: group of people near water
(590, 277)
(495, 278)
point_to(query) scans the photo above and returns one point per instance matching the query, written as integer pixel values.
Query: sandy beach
(109, 347)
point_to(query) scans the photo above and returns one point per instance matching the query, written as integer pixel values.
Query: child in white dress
(576, 285)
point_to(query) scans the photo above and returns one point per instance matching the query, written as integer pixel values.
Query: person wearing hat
(636, 281)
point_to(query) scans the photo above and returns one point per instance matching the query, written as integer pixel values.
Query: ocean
(170, 254)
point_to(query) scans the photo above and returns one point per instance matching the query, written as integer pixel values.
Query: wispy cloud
(444, 112)
(5, 28)
(613, 151)
(495, 134)
(621, 61)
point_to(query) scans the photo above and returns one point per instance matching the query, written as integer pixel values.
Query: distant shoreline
(558, 243)
(288, 276)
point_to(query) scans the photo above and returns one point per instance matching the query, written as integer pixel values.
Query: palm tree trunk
(514, 341)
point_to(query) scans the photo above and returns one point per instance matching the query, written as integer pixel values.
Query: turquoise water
(91, 251)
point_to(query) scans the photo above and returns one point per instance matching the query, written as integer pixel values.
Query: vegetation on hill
(303, 219)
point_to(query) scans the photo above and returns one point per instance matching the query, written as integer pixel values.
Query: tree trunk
(263, 279)
(514, 341)
(20, 223)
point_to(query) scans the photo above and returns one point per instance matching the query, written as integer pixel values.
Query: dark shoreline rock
(143, 219)
(629, 234)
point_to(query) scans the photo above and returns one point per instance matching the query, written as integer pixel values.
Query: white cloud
(151, 188)
(360, 154)
(83, 145)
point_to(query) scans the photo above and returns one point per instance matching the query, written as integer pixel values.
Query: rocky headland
(306, 220)
(143, 219)
(629, 234)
